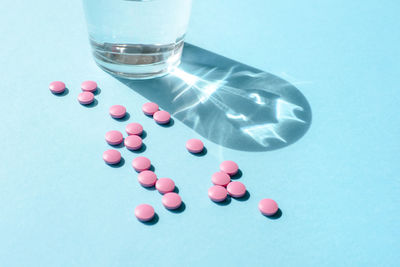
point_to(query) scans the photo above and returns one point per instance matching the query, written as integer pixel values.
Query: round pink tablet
(86, 98)
(133, 142)
(112, 156)
(268, 207)
(171, 201)
(89, 86)
(117, 111)
(141, 164)
(134, 129)
(236, 189)
(220, 178)
(150, 108)
(165, 185)
(114, 137)
(194, 145)
(147, 178)
(217, 193)
(162, 117)
(229, 167)
(57, 87)
(144, 212)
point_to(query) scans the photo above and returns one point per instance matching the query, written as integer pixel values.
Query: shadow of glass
(230, 103)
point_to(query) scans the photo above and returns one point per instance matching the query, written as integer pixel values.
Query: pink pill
(141, 164)
(236, 189)
(117, 111)
(144, 212)
(133, 142)
(89, 86)
(165, 185)
(229, 167)
(162, 117)
(150, 108)
(112, 156)
(147, 178)
(268, 207)
(57, 87)
(194, 145)
(171, 201)
(134, 129)
(114, 137)
(220, 178)
(86, 98)
(217, 193)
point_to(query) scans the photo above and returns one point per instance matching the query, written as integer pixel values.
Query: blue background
(338, 186)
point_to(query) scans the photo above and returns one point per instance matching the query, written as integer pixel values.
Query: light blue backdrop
(338, 186)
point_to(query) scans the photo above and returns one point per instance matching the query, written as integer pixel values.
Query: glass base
(133, 61)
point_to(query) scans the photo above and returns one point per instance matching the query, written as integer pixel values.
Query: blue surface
(338, 186)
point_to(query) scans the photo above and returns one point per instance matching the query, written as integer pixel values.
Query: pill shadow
(276, 216)
(66, 92)
(226, 202)
(238, 175)
(140, 150)
(153, 221)
(125, 118)
(181, 209)
(243, 198)
(169, 124)
(152, 168)
(91, 105)
(119, 165)
(229, 103)
(143, 135)
(176, 190)
(151, 188)
(118, 146)
(97, 92)
(201, 154)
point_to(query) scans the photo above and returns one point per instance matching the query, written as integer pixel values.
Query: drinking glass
(137, 39)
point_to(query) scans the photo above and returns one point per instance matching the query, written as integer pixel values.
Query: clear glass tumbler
(137, 39)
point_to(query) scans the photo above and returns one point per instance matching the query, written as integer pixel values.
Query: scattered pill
(141, 164)
(220, 178)
(229, 167)
(194, 146)
(217, 193)
(89, 86)
(117, 111)
(86, 98)
(165, 185)
(268, 207)
(147, 178)
(134, 129)
(112, 156)
(171, 201)
(162, 117)
(114, 138)
(144, 212)
(150, 108)
(133, 142)
(236, 189)
(57, 87)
